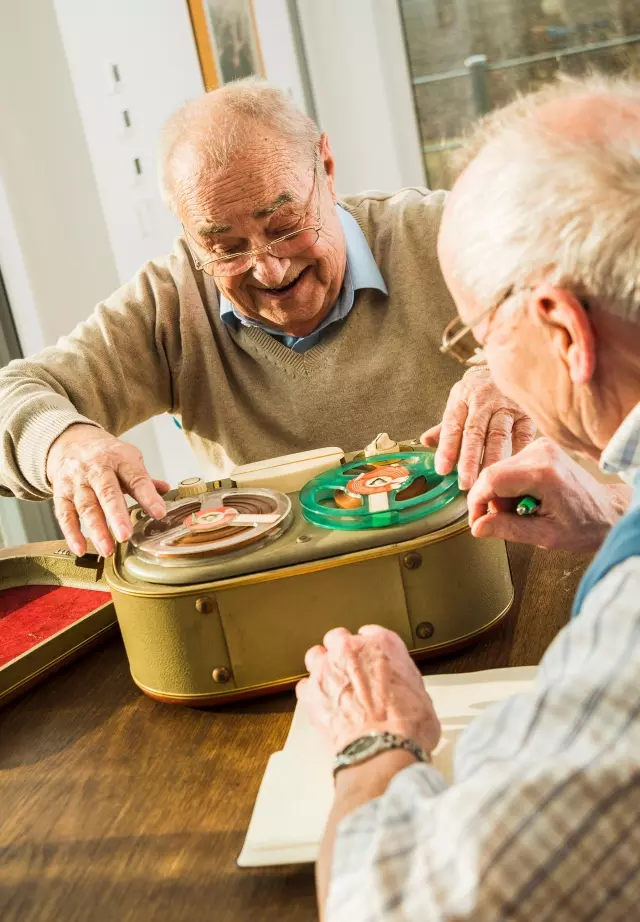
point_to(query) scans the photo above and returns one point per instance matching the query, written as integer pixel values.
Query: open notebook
(297, 788)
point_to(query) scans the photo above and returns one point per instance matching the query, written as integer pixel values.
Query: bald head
(247, 118)
(552, 189)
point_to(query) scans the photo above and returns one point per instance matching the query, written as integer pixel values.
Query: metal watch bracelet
(372, 744)
(474, 369)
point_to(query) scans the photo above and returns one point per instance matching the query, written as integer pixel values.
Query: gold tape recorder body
(221, 598)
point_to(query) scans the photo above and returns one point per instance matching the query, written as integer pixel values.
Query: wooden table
(116, 808)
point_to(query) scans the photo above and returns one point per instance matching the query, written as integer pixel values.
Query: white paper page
(297, 789)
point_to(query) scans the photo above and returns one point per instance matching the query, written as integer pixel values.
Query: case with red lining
(53, 607)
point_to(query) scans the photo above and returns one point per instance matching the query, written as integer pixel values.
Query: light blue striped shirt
(361, 272)
(622, 454)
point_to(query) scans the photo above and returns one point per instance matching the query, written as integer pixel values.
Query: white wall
(150, 42)
(55, 254)
(16, 277)
(54, 249)
(362, 90)
(277, 44)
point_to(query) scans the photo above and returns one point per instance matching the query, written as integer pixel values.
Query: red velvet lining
(31, 614)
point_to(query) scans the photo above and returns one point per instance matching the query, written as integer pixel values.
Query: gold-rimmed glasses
(458, 339)
(292, 244)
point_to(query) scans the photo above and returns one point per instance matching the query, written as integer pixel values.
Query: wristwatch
(371, 744)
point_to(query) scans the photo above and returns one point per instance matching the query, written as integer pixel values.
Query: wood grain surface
(116, 808)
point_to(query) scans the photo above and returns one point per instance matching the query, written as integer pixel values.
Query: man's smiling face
(265, 194)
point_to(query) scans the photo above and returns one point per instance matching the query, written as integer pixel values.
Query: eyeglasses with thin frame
(458, 339)
(283, 247)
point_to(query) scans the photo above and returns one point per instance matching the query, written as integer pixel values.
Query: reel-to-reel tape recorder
(222, 597)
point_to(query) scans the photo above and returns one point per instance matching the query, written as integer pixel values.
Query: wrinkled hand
(478, 419)
(90, 471)
(576, 511)
(366, 681)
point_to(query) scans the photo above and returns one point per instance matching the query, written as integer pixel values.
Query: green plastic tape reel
(381, 489)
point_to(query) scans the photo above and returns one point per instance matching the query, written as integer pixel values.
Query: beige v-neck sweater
(158, 345)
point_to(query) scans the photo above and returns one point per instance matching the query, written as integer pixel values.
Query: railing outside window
(469, 56)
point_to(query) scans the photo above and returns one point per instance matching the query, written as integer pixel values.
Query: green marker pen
(528, 505)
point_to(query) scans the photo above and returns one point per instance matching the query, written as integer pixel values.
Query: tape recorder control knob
(192, 486)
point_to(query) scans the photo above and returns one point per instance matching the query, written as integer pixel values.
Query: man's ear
(329, 164)
(569, 327)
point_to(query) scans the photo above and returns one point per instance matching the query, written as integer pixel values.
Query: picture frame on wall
(227, 41)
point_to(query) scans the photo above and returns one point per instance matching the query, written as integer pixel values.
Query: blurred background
(85, 86)
(467, 57)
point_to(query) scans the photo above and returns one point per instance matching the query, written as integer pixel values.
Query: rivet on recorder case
(221, 598)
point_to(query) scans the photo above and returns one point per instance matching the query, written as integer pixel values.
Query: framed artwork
(227, 40)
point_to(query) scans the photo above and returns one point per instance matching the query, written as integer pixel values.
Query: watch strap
(380, 741)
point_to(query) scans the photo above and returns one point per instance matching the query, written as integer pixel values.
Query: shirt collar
(622, 454)
(361, 271)
(362, 266)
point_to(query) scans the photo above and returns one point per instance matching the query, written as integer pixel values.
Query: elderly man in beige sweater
(281, 321)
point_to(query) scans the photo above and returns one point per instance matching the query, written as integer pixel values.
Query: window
(446, 12)
(468, 56)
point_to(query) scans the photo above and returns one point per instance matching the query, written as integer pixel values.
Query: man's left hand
(478, 428)
(366, 682)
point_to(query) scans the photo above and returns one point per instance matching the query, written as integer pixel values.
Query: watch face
(361, 746)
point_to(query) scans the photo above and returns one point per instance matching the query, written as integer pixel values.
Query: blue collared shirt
(361, 271)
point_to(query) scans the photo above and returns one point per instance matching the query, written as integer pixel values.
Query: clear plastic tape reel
(214, 523)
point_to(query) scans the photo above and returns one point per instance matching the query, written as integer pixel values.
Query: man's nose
(270, 271)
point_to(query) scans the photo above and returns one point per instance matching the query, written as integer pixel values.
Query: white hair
(547, 203)
(206, 134)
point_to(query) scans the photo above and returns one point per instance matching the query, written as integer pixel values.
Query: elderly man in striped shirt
(540, 248)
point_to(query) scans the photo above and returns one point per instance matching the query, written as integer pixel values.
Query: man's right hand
(366, 682)
(576, 510)
(90, 471)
